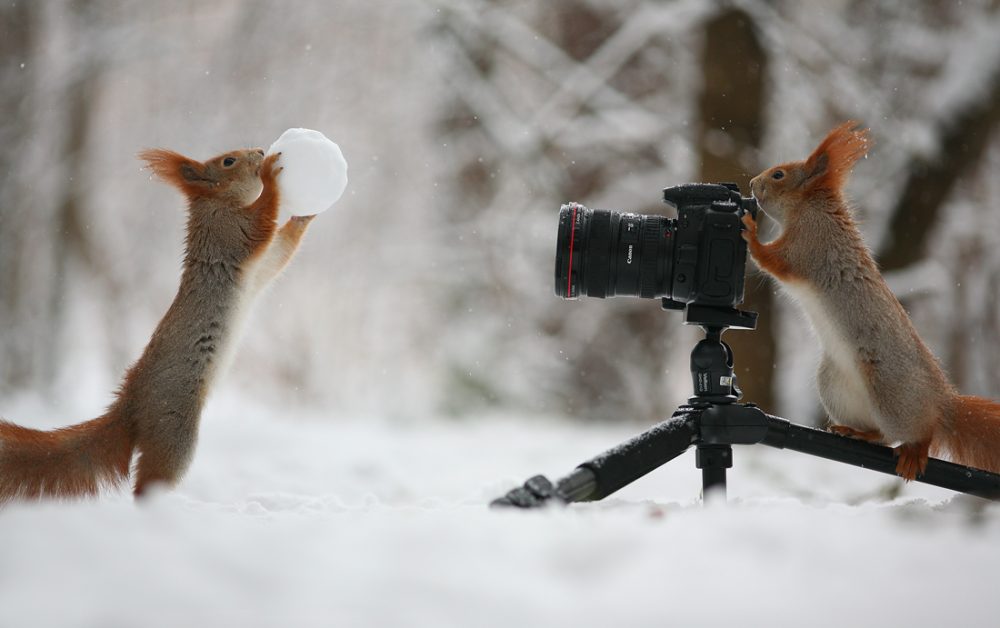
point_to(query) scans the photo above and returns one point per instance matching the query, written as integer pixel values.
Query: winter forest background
(413, 362)
(466, 124)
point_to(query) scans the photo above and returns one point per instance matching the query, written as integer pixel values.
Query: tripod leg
(713, 460)
(603, 475)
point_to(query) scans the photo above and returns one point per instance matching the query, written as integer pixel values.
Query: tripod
(713, 422)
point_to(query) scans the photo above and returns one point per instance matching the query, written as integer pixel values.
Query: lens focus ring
(649, 259)
(597, 264)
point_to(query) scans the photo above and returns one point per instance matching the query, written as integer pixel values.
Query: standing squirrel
(877, 380)
(233, 248)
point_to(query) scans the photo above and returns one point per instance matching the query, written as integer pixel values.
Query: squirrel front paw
(750, 232)
(268, 171)
(297, 224)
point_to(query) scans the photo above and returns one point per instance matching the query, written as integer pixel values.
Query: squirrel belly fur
(233, 249)
(877, 379)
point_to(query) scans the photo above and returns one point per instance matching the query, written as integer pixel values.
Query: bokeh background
(427, 291)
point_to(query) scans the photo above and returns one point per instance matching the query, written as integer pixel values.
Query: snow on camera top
(315, 171)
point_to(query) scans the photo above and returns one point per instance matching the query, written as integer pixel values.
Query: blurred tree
(961, 136)
(73, 247)
(18, 28)
(44, 226)
(731, 105)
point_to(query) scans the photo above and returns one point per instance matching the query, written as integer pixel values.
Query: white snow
(292, 520)
(315, 171)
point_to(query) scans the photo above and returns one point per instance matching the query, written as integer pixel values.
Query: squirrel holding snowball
(233, 249)
(877, 380)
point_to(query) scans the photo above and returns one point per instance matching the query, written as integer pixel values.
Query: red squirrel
(233, 248)
(877, 380)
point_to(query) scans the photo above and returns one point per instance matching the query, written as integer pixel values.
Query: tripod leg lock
(733, 424)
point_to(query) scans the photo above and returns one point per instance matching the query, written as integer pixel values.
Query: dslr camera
(696, 259)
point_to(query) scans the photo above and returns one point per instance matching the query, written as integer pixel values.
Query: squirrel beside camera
(233, 248)
(877, 379)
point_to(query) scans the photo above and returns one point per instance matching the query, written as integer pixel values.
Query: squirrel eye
(228, 161)
(778, 175)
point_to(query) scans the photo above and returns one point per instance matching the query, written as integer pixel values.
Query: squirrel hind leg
(870, 436)
(154, 472)
(146, 483)
(912, 459)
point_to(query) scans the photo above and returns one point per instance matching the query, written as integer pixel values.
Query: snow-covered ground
(307, 521)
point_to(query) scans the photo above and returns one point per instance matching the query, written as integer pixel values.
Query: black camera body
(698, 258)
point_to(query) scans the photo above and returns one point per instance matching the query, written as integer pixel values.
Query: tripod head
(712, 359)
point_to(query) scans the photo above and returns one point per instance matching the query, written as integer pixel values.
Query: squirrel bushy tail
(70, 462)
(971, 434)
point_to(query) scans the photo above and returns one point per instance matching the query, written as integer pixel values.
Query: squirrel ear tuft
(187, 174)
(828, 166)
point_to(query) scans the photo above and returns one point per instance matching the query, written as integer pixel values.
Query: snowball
(315, 171)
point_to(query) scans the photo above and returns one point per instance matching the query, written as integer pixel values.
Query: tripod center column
(713, 460)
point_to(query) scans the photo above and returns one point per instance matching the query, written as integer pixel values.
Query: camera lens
(602, 253)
